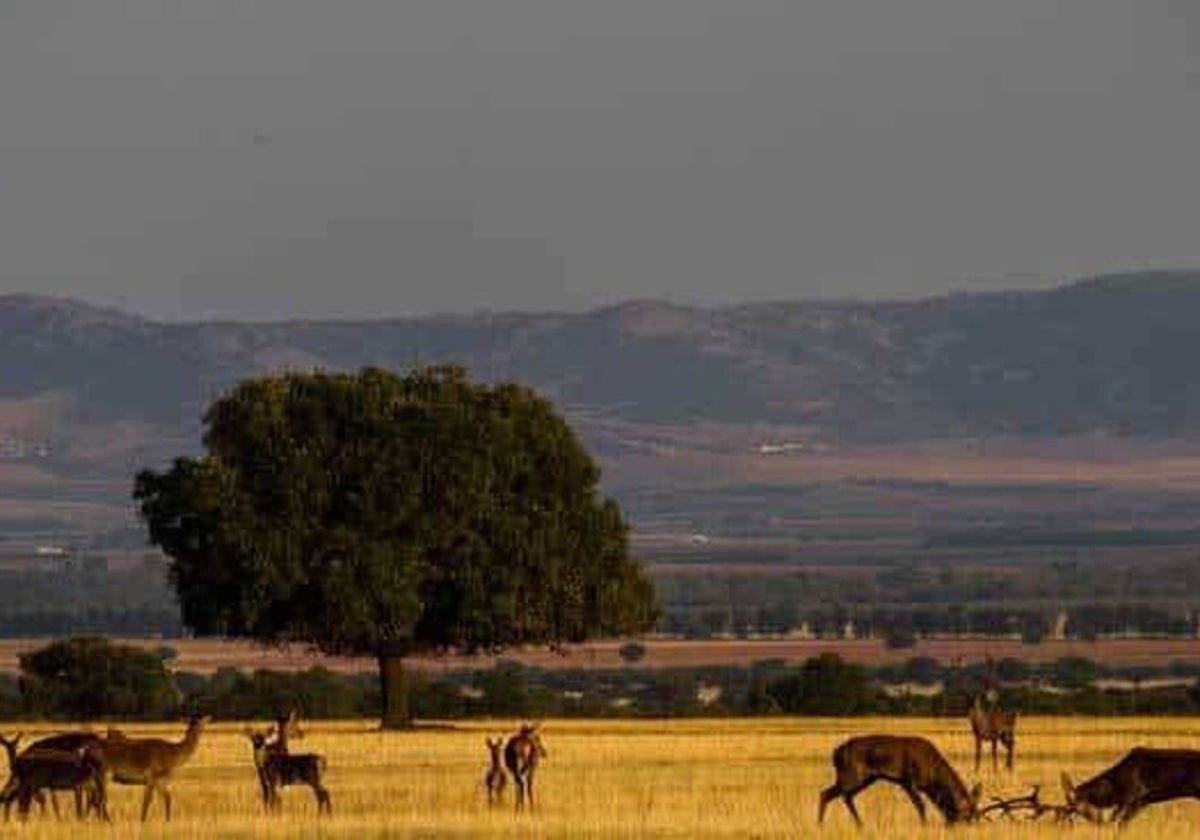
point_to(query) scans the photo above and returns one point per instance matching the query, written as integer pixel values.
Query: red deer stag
(995, 725)
(494, 779)
(1143, 777)
(521, 756)
(912, 763)
(278, 768)
(150, 762)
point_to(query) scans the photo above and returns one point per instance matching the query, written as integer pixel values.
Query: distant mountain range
(98, 392)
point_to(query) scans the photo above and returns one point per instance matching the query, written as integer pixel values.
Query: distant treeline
(90, 678)
(907, 600)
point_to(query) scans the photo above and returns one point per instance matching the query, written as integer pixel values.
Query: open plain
(737, 778)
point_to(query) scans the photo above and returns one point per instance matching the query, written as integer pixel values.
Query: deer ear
(1068, 788)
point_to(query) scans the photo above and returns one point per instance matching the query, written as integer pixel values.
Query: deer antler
(1030, 804)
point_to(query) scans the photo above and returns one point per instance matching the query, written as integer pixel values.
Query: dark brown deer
(278, 769)
(914, 764)
(991, 723)
(12, 787)
(79, 770)
(494, 779)
(66, 742)
(521, 756)
(1143, 777)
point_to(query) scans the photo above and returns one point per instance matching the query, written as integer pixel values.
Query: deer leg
(1010, 744)
(529, 789)
(323, 802)
(165, 792)
(147, 798)
(978, 751)
(848, 798)
(915, 798)
(53, 802)
(1126, 812)
(828, 795)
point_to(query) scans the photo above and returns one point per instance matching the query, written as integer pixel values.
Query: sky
(262, 159)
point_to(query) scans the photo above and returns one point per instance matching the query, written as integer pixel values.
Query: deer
(41, 768)
(66, 741)
(278, 768)
(996, 725)
(521, 756)
(1145, 776)
(150, 762)
(494, 779)
(912, 763)
(12, 787)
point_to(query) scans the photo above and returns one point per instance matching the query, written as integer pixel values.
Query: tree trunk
(393, 680)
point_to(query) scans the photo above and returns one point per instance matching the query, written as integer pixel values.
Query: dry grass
(685, 779)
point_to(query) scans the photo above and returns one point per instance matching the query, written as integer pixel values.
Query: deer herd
(85, 763)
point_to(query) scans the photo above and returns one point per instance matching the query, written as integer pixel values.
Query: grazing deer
(150, 762)
(1143, 777)
(912, 763)
(521, 756)
(494, 779)
(39, 768)
(995, 725)
(278, 768)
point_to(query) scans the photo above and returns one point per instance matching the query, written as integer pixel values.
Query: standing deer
(1145, 776)
(12, 787)
(494, 780)
(521, 756)
(66, 742)
(912, 763)
(278, 769)
(39, 768)
(995, 725)
(150, 762)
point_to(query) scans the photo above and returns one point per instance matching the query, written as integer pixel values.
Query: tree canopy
(380, 514)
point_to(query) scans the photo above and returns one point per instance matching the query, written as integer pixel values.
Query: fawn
(494, 779)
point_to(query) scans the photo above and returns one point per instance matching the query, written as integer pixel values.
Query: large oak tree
(392, 515)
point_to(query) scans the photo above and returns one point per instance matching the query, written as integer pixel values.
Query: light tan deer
(494, 779)
(914, 764)
(993, 724)
(150, 762)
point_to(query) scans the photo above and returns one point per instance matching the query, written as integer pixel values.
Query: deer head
(530, 732)
(1077, 806)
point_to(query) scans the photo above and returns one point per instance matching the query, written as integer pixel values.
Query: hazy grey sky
(200, 158)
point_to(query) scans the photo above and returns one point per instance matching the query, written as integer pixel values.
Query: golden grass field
(738, 778)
